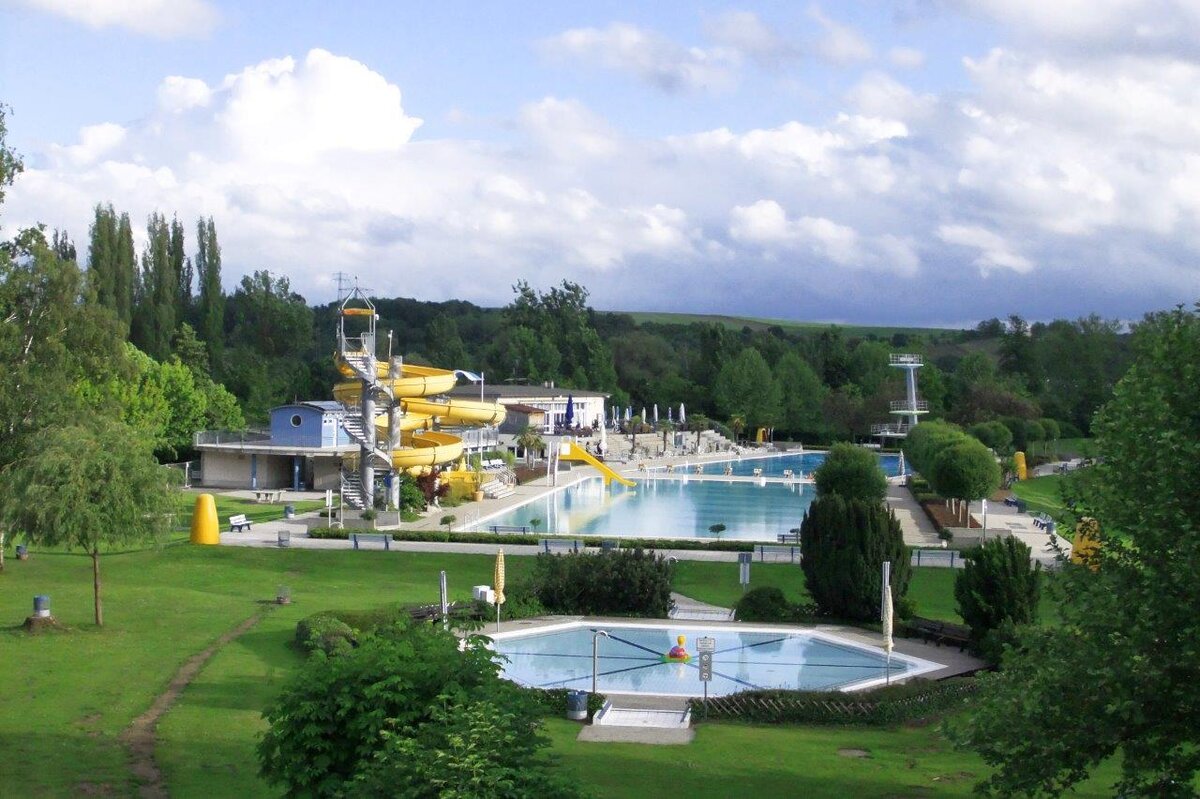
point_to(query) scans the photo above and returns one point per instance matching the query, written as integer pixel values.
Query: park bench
(788, 538)
(550, 545)
(940, 631)
(936, 557)
(378, 538)
(777, 553)
(238, 523)
(509, 528)
(268, 495)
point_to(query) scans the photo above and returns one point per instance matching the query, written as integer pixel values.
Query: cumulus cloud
(746, 33)
(1076, 175)
(994, 251)
(646, 55)
(164, 19)
(906, 57)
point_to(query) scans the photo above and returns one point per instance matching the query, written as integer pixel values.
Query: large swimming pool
(680, 507)
(747, 658)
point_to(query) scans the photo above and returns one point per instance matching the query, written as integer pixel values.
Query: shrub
(852, 472)
(992, 434)
(622, 582)
(844, 544)
(966, 470)
(926, 440)
(369, 514)
(411, 711)
(326, 632)
(1051, 429)
(767, 604)
(997, 588)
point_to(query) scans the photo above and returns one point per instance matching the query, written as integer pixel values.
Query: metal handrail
(920, 406)
(905, 359)
(230, 437)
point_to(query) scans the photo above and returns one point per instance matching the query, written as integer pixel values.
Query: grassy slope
(739, 760)
(1043, 495)
(754, 323)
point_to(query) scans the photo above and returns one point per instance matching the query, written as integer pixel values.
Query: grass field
(1044, 495)
(1064, 448)
(790, 325)
(69, 695)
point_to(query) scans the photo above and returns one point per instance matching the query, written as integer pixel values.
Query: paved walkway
(690, 609)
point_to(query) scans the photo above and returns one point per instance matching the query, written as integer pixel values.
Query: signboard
(706, 644)
(705, 666)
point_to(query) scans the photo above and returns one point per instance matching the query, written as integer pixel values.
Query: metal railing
(905, 359)
(904, 406)
(230, 437)
(891, 429)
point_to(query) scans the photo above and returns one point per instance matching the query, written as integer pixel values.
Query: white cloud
(906, 57)
(648, 56)
(179, 94)
(745, 32)
(164, 19)
(839, 43)
(994, 251)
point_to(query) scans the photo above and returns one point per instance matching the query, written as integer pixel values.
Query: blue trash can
(289, 511)
(41, 605)
(577, 705)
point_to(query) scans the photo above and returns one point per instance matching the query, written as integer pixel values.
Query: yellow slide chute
(570, 451)
(421, 447)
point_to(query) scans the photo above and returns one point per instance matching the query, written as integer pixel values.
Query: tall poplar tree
(125, 279)
(102, 256)
(181, 266)
(159, 292)
(211, 302)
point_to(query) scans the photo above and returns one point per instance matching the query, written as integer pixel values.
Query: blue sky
(928, 161)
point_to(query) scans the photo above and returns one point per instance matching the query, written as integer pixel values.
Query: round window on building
(296, 420)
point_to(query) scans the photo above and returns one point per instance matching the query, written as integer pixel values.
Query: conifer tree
(181, 265)
(211, 302)
(125, 279)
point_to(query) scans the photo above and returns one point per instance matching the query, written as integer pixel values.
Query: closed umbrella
(569, 419)
(682, 415)
(628, 414)
(498, 580)
(645, 416)
(670, 414)
(887, 614)
(656, 414)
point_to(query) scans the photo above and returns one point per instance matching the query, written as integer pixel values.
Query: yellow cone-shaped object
(498, 578)
(204, 521)
(1019, 464)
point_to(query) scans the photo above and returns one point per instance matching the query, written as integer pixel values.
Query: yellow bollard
(1019, 463)
(204, 521)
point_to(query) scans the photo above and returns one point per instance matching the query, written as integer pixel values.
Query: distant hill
(755, 323)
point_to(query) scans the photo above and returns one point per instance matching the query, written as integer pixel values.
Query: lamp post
(595, 654)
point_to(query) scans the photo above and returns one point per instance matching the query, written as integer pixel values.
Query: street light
(595, 654)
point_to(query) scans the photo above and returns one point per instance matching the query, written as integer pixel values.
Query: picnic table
(268, 495)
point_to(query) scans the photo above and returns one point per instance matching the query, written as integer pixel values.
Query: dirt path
(139, 737)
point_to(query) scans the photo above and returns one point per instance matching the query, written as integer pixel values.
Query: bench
(509, 528)
(549, 545)
(268, 496)
(789, 553)
(940, 631)
(378, 538)
(238, 523)
(788, 538)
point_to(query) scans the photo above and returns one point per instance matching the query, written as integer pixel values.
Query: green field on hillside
(791, 326)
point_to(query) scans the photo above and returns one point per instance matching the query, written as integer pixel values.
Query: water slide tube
(421, 447)
(570, 451)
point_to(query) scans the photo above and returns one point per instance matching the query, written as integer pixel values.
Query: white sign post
(744, 559)
(706, 647)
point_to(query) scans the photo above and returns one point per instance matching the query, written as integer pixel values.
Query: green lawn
(932, 590)
(740, 760)
(231, 506)
(1064, 448)
(1044, 495)
(68, 695)
(790, 325)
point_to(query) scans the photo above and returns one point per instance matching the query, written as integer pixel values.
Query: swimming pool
(681, 507)
(746, 658)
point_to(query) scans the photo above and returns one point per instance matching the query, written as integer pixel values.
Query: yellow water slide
(570, 451)
(421, 446)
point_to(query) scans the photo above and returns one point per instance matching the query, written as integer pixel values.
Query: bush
(852, 472)
(844, 544)
(1051, 429)
(766, 604)
(998, 586)
(410, 711)
(993, 434)
(326, 632)
(369, 514)
(623, 582)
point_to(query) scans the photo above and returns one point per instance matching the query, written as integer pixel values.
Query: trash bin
(577, 705)
(1020, 506)
(284, 538)
(41, 605)
(289, 511)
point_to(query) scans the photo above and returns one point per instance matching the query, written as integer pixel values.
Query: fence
(230, 437)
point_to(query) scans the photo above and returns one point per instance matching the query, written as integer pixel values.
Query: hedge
(891, 705)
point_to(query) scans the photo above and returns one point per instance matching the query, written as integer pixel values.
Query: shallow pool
(630, 659)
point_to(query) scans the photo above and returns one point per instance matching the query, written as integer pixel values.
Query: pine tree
(211, 303)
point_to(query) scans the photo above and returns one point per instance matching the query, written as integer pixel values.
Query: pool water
(679, 507)
(630, 660)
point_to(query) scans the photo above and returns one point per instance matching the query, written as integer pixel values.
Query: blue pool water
(679, 507)
(630, 660)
